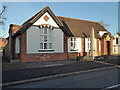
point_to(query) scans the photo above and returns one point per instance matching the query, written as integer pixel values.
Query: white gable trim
(41, 21)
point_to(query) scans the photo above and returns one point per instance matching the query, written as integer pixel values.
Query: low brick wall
(44, 57)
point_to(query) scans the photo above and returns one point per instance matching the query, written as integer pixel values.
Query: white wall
(33, 40)
(17, 44)
(42, 21)
(116, 47)
(95, 44)
(58, 41)
(114, 41)
(33, 36)
(102, 32)
(86, 45)
(78, 45)
(99, 45)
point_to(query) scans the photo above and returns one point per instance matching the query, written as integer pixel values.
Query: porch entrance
(108, 47)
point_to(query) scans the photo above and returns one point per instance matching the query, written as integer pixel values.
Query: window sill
(73, 50)
(45, 50)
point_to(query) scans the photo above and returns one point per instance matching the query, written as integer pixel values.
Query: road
(97, 79)
(24, 74)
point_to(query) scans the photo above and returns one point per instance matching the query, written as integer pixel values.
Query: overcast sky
(19, 12)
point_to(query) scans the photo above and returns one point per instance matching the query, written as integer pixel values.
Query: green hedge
(1, 48)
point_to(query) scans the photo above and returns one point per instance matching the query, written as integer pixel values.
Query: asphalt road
(97, 79)
(16, 75)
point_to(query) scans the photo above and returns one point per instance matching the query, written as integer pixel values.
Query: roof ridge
(39, 13)
(118, 34)
(34, 16)
(77, 19)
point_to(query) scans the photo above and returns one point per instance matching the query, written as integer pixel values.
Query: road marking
(51, 65)
(106, 63)
(103, 62)
(114, 86)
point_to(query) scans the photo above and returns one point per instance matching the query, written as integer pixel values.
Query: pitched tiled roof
(118, 34)
(71, 26)
(81, 28)
(105, 35)
(3, 39)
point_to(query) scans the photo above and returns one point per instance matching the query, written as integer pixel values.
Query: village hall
(46, 36)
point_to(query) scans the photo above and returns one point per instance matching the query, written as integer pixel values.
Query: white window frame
(73, 41)
(48, 37)
(99, 45)
(89, 43)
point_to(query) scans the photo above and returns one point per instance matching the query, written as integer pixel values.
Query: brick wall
(83, 50)
(73, 55)
(98, 52)
(111, 47)
(56, 56)
(40, 57)
(23, 47)
(104, 47)
(15, 28)
(15, 55)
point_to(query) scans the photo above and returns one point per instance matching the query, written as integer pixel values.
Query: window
(45, 38)
(72, 43)
(17, 44)
(116, 40)
(89, 44)
(99, 45)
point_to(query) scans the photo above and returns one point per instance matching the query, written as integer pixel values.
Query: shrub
(1, 48)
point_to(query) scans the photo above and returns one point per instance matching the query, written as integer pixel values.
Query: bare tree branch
(104, 25)
(4, 8)
(1, 16)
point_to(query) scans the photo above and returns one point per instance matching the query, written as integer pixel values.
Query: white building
(116, 44)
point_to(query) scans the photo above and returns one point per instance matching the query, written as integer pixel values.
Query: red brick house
(3, 42)
(46, 36)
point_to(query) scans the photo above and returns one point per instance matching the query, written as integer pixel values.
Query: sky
(18, 12)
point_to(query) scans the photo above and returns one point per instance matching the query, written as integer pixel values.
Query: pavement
(23, 72)
(6, 66)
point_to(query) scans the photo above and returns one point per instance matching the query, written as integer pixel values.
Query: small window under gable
(116, 40)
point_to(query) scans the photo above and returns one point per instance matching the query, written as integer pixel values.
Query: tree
(2, 19)
(1, 16)
(104, 25)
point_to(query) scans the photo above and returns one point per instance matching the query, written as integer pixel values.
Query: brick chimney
(12, 29)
